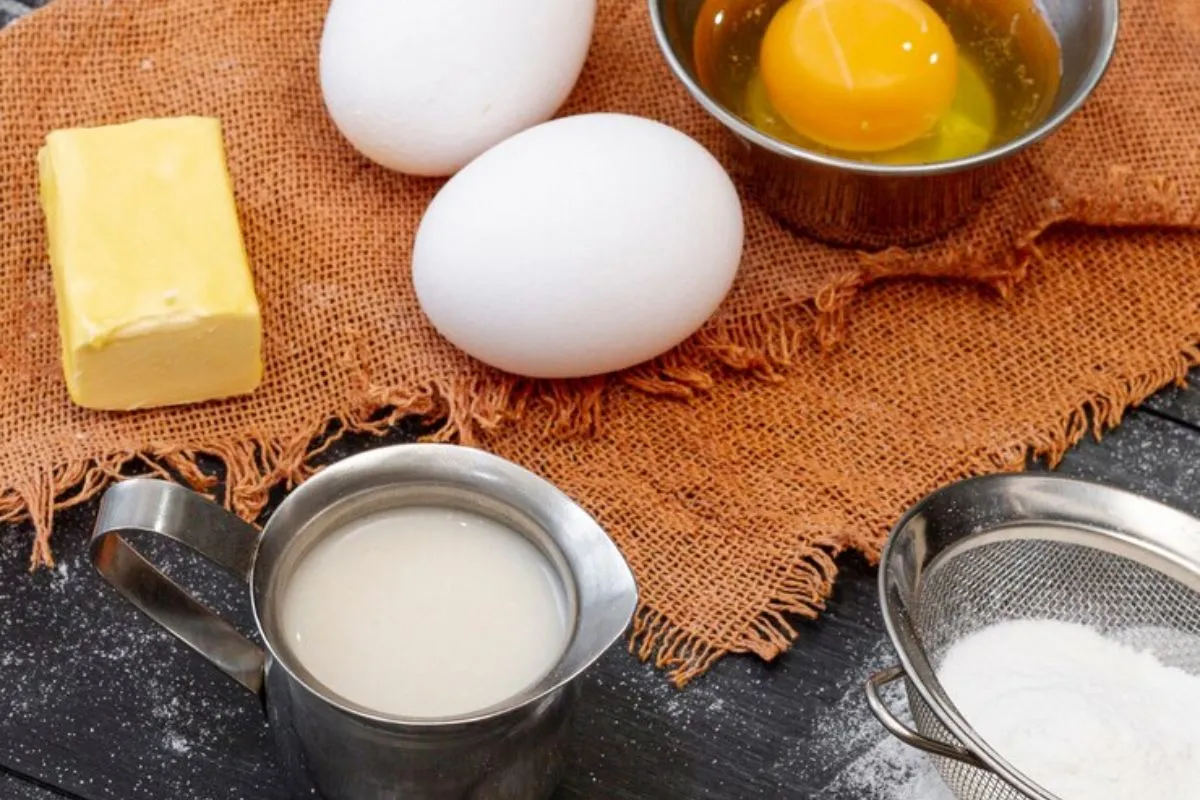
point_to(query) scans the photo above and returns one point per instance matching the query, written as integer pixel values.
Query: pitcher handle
(155, 506)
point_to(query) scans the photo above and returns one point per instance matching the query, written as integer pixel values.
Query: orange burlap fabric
(731, 471)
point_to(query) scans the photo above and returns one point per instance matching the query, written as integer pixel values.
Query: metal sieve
(1011, 547)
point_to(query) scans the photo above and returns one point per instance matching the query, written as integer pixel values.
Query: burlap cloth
(733, 470)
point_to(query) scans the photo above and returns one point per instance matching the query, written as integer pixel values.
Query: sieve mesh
(983, 582)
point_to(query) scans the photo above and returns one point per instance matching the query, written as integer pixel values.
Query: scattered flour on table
(875, 765)
(1085, 716)
(178, 744)
(889, 770)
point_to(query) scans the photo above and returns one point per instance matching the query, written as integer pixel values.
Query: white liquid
(425, 612)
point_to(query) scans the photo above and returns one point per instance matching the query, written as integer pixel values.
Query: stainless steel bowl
(870, 205)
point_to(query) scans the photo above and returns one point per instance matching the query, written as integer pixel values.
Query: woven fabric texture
(797, 424)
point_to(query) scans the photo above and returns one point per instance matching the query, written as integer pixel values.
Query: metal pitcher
(514, 750)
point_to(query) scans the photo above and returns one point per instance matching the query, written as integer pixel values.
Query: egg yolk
(859, 75)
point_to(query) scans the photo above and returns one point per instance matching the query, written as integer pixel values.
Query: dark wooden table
(97, 703)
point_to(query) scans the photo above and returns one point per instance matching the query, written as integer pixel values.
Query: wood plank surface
(1181, 404)
(97, 701)
(14, 788)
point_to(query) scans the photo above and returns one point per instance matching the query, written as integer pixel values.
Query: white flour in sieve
(1084, 716)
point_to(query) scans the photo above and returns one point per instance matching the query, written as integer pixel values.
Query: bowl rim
(733, 123)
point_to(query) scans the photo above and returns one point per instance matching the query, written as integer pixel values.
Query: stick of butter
(154, 293)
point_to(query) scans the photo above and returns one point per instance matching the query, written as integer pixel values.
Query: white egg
(581, 246)
(424, 86)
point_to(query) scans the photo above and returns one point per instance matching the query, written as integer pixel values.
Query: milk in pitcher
(425, 612)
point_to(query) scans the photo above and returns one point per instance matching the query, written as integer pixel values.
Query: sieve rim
(1134, 525)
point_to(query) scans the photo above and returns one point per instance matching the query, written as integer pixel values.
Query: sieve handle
(906, 734)
(143, 505)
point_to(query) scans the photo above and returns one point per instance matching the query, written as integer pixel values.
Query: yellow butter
(155, 296)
